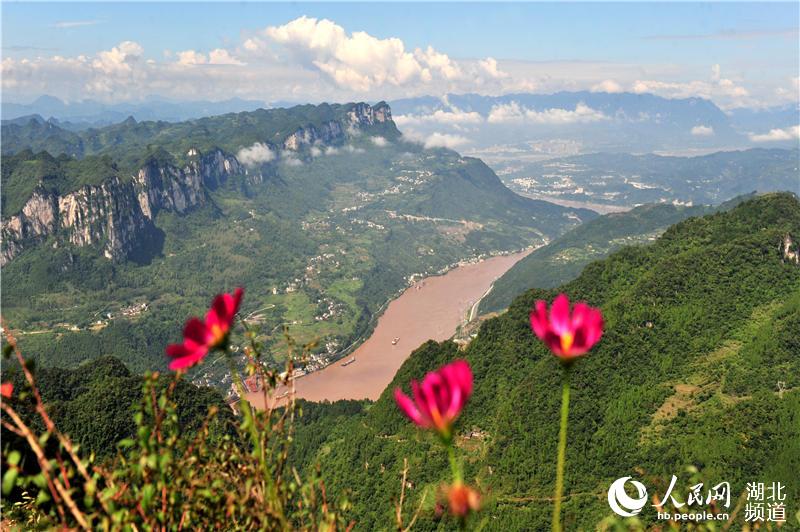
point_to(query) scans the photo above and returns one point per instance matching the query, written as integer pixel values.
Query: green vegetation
(23, 172)
(320, 245)
(697, 375)
(699, 366)
(95, 402)
(563, 259)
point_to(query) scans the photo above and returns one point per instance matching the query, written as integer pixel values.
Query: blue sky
(677, 48)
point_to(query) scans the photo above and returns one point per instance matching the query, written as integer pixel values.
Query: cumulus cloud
(608, 85)
(120, 59)
(775, 135)
(489, 66)
(702, 131)
(218, 56)
(514, 113)
(358, 61)
(449, 117)
(255, 155)
(716, 87)
(444, 140)
(309, 59)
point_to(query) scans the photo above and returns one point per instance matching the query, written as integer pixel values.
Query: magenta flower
(567, 336)
(438, 401)
(200, 337)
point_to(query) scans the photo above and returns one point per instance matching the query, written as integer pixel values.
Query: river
(433, 308)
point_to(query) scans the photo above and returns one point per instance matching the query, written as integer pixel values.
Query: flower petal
(559, 315)
(407, 406)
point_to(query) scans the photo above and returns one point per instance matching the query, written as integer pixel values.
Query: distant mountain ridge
(90, 113)
(593, 121)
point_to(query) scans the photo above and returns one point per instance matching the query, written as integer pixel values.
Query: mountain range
(112, 235)
(562, 123)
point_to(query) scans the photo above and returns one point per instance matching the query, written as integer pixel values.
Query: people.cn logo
(621, 502)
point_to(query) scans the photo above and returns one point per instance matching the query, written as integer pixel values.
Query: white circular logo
(621, 503)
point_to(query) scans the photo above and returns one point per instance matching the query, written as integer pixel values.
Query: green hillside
(321, 240)
(699, 366)
(563, 259)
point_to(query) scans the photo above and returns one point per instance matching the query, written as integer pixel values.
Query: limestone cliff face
(116, 214)
(361, 115)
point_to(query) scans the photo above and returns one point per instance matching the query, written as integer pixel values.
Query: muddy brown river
(431, 309)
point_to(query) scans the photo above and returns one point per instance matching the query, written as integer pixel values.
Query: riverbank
(433, 308)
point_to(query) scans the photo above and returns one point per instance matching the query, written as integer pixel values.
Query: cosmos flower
(438, 401)
(202, 336)
(567, 336)
(461, 499)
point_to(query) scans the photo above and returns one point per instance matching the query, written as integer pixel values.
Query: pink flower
(6, 389)
(462, 500)
(438, 401)
(200, 337)
(567, 336)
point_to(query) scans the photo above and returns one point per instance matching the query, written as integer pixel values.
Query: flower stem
(456, 470)
(562, 450)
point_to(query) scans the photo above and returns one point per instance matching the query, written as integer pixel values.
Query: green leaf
(9, 479)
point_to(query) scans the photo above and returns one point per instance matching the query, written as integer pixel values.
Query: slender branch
(56, 487)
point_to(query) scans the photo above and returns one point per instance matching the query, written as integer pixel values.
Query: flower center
(566, 342)
(217, 335)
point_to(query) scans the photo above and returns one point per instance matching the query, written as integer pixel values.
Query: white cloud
(489, 66)
(255, 155)
(451, 117)
(379, 141)
(608, 85)
(775, 135)
(121, 58)
(65, 24)
(221, 56)
(514, 113)
(308, 59)
(433, 61)
(716, 88)
(218, 56)
(352, 149)
(702, 131)
(358, 61)
(444, 140)
(190, 57)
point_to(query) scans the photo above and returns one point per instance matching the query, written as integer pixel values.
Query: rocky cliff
(360, 116)
(117, 213)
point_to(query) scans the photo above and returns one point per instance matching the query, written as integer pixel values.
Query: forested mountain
(699, 366)
(112, 236)
(563, 259)
(94, 403)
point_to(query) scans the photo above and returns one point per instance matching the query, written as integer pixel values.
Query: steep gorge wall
(116, 213)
